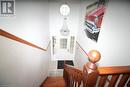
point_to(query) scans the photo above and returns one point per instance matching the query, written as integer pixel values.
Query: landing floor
(54, 82)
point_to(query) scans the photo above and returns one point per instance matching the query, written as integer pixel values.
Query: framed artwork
(93, 18)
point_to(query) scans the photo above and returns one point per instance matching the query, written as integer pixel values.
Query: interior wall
(30, 19)
(80, 57)
(113, 42)
(22, 65)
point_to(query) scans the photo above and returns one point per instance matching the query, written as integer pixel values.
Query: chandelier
(64, 10)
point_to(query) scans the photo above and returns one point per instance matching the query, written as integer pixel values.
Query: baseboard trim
(43, 82)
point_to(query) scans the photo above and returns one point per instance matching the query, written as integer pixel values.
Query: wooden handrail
(114, 75)
(18, 39)
(114, 70)
(70, 72)
(72, 67)
(81, 48)
(92, 75)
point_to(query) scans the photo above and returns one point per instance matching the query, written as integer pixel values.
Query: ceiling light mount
(64, 10)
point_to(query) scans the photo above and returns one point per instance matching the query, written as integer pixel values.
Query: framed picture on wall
(93, 18)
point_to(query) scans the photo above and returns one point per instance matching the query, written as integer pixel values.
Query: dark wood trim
(113, 70)
(18, 39)
(72, 76)
(43, 82)
(81, 48)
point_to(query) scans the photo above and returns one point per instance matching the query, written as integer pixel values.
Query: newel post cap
(94, 56)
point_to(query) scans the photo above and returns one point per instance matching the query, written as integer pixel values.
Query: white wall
(30, 15)
(80, 58)
(20, 64)
(113, 42)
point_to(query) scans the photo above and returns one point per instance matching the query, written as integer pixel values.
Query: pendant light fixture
(64, 10)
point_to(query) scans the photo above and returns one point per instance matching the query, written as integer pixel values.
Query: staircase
(59, 81)
(91, 76)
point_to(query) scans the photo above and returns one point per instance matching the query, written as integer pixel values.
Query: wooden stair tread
(54, 82)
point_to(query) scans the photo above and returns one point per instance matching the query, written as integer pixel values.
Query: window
(53, 43)
(63, 43)
(72, 39)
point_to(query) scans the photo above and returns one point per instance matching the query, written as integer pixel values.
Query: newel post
(90, 71)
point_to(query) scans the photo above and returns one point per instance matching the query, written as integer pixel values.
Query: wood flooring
(54, 82)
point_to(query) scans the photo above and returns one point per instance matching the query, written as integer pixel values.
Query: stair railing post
(90, 71)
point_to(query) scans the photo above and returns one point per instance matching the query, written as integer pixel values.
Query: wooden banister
(90, 70)
(99, 76)
(72, 76)
(114, 70)
(13, 37)
(119, 75)
(94, 76)
(81, 48)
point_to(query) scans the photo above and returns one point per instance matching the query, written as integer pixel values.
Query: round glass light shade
(64, 9)
(64, 30)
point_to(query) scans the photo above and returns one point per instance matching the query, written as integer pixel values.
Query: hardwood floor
(54, 82)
